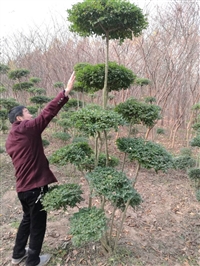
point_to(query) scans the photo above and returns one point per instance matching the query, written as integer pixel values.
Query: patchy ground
(164, 230)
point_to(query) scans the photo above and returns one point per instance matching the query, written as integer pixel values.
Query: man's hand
(70, 84)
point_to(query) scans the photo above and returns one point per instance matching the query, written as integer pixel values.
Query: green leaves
(35, 80)
(4, 69)
(22, 86)
(32, 109)
(61, 135)
(147, 153)
(120, 19)
(18, 74)
(75, 153)
(89, 162)
(37, 91)
(136, 112)
(62, 196)
(93, 119)
(72, 104)
(89, 224)
(142, 81)
(3, 114)
(91, 77)
(8, 104)
(40, 99)
(196, 126)
(114, 186)
(194, 173)
(184, 162)
(59, 85)
(195, 142)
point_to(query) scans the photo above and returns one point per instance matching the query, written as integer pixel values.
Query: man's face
(26, 115)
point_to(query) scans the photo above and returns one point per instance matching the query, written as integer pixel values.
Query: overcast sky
(18, 15)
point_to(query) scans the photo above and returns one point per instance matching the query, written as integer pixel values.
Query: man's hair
(14, 112)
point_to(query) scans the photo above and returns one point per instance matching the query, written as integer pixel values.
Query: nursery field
(163, 231)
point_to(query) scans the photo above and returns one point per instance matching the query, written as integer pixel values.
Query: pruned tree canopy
(90, 78)
(116, 18)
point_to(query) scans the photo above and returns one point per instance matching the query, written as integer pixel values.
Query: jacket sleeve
(52, 108)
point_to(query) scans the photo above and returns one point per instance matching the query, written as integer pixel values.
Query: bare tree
(167, 54)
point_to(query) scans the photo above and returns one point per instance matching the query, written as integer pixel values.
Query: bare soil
(163, 230)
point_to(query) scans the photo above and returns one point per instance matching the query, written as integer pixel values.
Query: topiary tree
(35, 80)
(66, 123)
(105, 182)
(94, 223)
(195, 142)
(40, 100)
(8, 103)
(93, 121)
(64, 136)
(87, 225)
(4, 69)
(73, 105)
(5, 106)
(136, 112)
(150, 99)
(23, 86)
(32, 109)
(36, 91)
(62, 196)
(185, 160)
(75, 153)
(59, 85)
(19, 75)
(194, 119)
(3, 118)
(91, 77)
(194, 174)
(160, 131)
(109, 19)
(198, 194)
(113, 186)
(142, 82)
(148, 154)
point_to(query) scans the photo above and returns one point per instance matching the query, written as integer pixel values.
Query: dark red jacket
(24, 145)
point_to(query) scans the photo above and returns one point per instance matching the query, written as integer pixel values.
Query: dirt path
(164, 230)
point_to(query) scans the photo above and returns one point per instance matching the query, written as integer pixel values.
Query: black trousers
(32, 226)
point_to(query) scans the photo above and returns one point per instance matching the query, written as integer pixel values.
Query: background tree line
(166, 54)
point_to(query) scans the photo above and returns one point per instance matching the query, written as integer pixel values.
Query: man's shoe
(17, 261)
(44, 259)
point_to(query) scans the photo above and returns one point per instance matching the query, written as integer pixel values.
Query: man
(24, 145)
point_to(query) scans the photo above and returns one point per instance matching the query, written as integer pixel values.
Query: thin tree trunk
(121, 225)
(106, 147)
(96, 152)
(147, 133)
(174, 134)
(136, 174)
(112, 221)
(105, 89)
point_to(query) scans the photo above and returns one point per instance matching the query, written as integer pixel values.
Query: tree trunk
(105, 89)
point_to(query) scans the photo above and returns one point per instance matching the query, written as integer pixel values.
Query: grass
(15, 224)
(88, 254)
